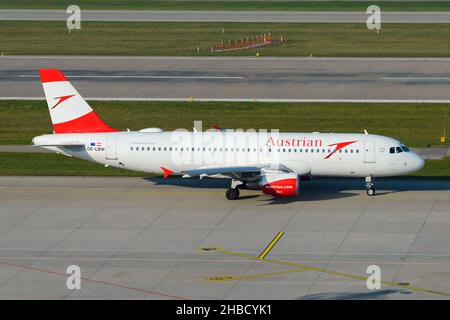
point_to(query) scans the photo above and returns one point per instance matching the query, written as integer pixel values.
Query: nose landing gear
(370, 189)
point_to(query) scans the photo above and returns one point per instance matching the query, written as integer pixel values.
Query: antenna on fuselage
(365, 131)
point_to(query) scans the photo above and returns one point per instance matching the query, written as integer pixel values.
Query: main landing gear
(233, 192)
(370, 189)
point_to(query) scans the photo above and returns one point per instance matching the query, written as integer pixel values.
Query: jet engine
(280, 184)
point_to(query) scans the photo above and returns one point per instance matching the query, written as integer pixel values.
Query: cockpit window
(400, 149)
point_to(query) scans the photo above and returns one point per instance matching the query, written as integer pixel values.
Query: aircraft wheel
(232, 194)
(370, 191)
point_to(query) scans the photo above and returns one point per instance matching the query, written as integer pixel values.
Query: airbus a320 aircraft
(273, 162)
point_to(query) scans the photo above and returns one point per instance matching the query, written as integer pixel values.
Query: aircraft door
(369, 151)
(111, 149)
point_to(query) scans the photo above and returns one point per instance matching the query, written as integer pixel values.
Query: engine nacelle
(280, 184)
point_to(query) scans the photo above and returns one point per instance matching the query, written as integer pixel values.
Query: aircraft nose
(417, 162)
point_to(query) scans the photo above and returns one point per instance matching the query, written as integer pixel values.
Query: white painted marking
(417, 78)
(225, 58)
(250, 100)
(140, 77)
(344, 253)
(349, 262)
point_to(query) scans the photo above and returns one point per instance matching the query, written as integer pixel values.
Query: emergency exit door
(111, 149)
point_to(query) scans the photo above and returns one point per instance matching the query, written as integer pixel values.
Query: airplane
(274, 162)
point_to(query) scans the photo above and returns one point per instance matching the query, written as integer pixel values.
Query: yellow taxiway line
(270, 246)
(300, 267)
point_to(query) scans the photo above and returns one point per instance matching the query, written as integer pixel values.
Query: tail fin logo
(62, 99)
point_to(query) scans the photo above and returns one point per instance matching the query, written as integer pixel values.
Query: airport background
(138, 236)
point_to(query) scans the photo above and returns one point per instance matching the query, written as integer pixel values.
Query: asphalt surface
(232, 79)
(226, 16)
(154, 239)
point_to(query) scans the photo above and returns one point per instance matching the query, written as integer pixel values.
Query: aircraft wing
(243, 173)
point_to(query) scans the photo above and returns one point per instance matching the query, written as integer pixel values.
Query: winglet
(167, 172)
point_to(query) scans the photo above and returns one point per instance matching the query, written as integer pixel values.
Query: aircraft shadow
(376, 294)
(320, 188)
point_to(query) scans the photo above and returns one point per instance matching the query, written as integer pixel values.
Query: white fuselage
(316, 154)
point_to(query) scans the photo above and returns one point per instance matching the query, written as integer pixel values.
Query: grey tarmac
(235, 78)
(224, 16)
(154, 238)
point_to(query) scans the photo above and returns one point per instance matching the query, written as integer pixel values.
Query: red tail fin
(70, 113)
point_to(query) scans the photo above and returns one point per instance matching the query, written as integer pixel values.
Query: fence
(259, 41)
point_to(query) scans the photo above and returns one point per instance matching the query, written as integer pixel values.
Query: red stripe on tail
(90, 122)
(51, 75)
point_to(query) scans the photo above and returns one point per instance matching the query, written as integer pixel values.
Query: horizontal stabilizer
(60, 144)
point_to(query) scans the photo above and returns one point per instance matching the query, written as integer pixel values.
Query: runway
(225, 16)
(235, 79)
(152, 238)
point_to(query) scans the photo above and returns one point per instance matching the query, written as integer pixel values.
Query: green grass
(167, 38)
(418, 125)
(340, 5)
(43, 164)
(435, 168)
